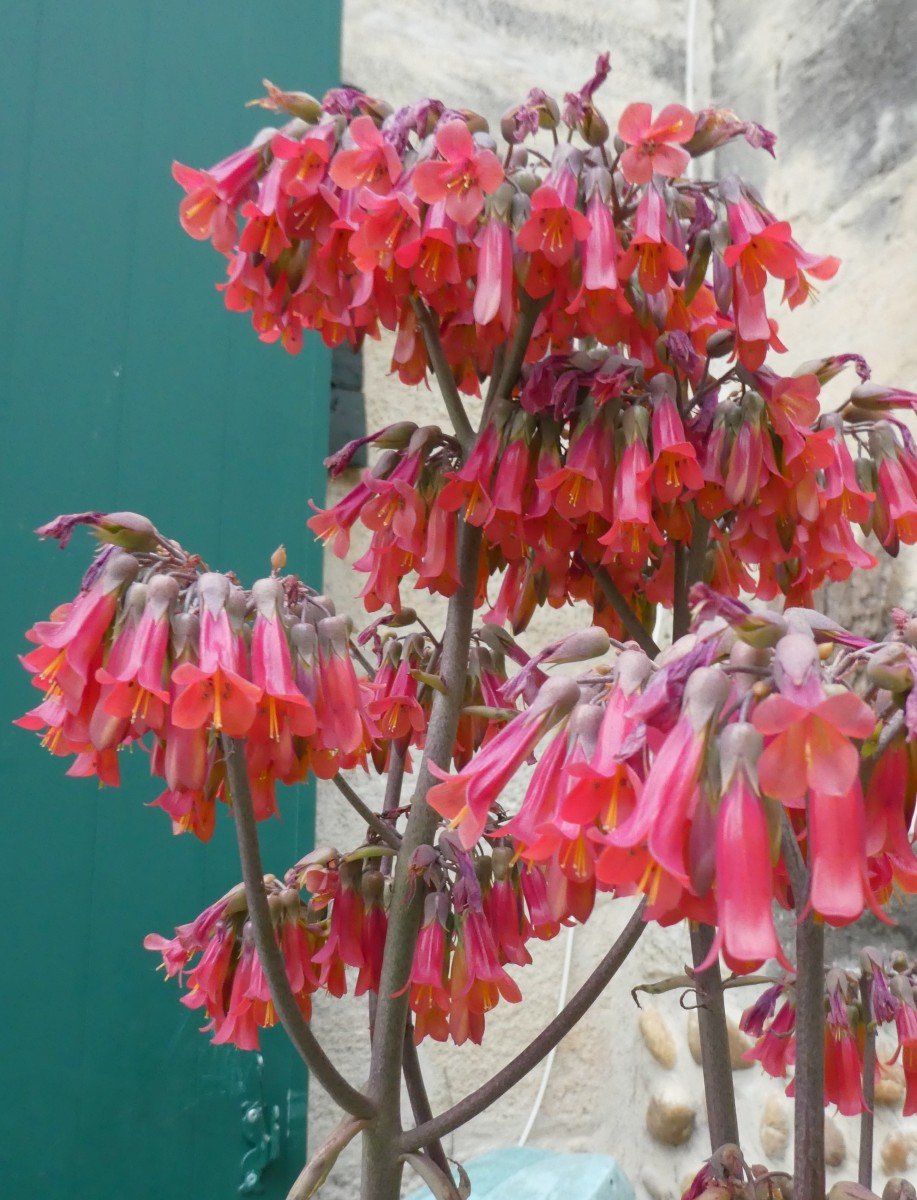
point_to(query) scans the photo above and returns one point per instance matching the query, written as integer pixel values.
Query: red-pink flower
(272, 666)
(465, 799)
(70, 642)
(651, 253)
(134, 686)
(208, 209)
(655, 147)
(214, 691)
(372, 161)
(745, 930)
(465, 176)
(555, 225)
(809, 746)
(493, 295)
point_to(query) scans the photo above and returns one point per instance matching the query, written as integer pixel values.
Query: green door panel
(125, 384)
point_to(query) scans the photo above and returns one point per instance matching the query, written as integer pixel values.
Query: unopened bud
(593, 128)
(585, 643)
(129, 530)
(279, 558)
(396, 436)
(502, 862)
(889, 668)
(720, 344)
(297, 104)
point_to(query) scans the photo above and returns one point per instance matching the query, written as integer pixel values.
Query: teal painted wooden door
(126, 385)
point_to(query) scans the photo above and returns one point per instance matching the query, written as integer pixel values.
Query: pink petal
(429, 180)
(489, 170)
(848, 714)
(775, 714)
(833, 761)
(463, 207)
(636, 165)
(454, 141)
(670, 161)
(634, 122)
(782, 766)
(674, 124)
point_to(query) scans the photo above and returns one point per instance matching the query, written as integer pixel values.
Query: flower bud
(720, 344)
(889, 668)
(129, 530)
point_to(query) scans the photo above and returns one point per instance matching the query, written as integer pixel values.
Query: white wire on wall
(549, 1061)
(690, 69)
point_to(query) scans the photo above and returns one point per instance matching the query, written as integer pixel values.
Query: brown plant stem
(295, 1024)
(417, 1094)
(719, 1092)
(867, 1117)
(529, 1058)
(373, 820)
(443, 372)
(392, 799)
(381, 1167)
(629, 618)
(529, 311)
(809, 1148)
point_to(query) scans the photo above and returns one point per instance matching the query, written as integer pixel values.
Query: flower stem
(443, 372)
(381, 1166)
(719, 1091)
(297, 1027)
(809, 1148)
(529, 1058)
(867, 1117)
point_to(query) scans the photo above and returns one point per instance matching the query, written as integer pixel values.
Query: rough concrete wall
(836, 80)
(848, 193)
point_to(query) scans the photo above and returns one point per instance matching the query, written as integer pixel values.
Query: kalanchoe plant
(607, 321)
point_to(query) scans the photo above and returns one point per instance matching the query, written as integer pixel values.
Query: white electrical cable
(549, 1061)
(690, 29)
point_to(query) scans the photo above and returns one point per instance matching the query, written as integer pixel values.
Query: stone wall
(836, 82)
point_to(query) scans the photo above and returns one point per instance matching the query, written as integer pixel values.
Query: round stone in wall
(739, 1042)
(835, 1146)
(671, 1115)
(658, 1037)
(890, 1086)
(775, 1127)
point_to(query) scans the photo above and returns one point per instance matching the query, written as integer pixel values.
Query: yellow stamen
(217, 701)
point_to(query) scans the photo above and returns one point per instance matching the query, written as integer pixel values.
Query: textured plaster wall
(836, 82)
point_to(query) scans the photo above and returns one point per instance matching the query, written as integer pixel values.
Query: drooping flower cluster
(351, 211)
(598, 468)
(688, 778)
(890, 1006)
(158, 651)
(616, 441)
(478, 917)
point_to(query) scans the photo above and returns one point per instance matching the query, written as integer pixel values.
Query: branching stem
(529, 1058)
(629, 618)
(269, 954)
(373, 820)
(443, 372)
